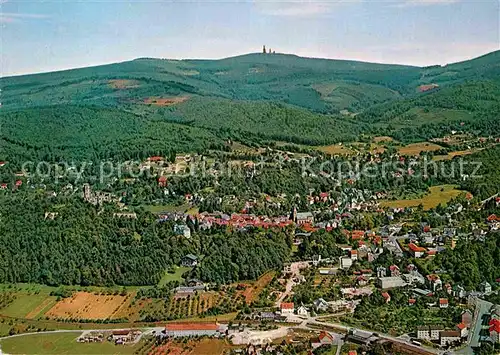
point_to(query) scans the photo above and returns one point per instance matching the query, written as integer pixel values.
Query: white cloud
(307, 8)
(10, 17)
(409, 3)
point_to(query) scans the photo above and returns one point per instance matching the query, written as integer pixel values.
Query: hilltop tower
(264, 49)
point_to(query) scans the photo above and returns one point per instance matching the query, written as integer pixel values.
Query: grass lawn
(166, 208)
(436, 195)
(24, 304)
(61, 343)
(177, 276)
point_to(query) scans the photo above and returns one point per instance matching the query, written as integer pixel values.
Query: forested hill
(323, 85)
(159, 105)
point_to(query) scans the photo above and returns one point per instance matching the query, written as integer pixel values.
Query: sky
(39, 36)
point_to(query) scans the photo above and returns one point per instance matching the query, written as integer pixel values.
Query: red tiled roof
(324, 335)
(412, 300)
(432, 277)
(385, 295)
(190, 326)
(495, 325)
(155, 158)
(413, 247)
(461, 326)
(287, 305)
(443, 301)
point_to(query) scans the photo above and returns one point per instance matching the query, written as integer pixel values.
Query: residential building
(302, 311)
(287, 308)
(435, 330)
(387, 297)
(434, 282)
(118, 335)
(443, 303)
(390, 282)
(485, 287)
(182, 229)
(324, 338)
(381, 272)
(416, 251)
(362, 280)
(429, 332)
(412, 301)
(345, 263)
(495, 330)
(458, 291)
(354, 254)
(316, 259)
(321, 305)
(463, 329)
(189, 260)
(467, 318)
(304, 218)
(394, 270)
(423, 333)
(448, 337)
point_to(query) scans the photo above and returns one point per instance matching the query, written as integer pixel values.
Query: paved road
(408, 344)
(295, 269)
(81, 331)
(482, 307)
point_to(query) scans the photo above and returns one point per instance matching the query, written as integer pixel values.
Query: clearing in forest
(437, 195)
(165, 101)
(416, 148)
(336, 149)
(123, 84)
(85, 305)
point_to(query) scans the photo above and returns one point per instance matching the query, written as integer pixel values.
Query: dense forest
(84, 247)
(114, 113)
(101, 112)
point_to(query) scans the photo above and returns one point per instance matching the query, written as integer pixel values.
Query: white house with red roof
(287, 308)
(462, 328)
(416, 251)
(443, 303)
(394, 270)
(324, 338)
(386, 296)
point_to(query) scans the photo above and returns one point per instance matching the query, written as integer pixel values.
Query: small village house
(189, 260)
(287, 308)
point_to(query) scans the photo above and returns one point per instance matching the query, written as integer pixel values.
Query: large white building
(192, 329)
(390, 282)
(447, 337)
(429, 332)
